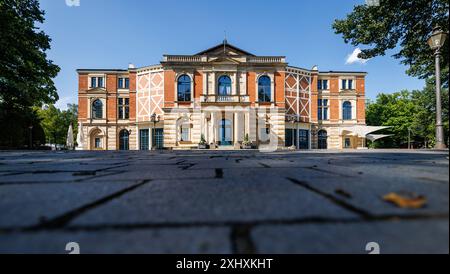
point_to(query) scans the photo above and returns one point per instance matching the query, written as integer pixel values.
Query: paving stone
(27, 205)
(137, 241)
(218, 200)
(418, 237)
(155, 172)
(52, 176)
(294, 201)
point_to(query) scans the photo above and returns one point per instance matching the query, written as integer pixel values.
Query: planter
(203, 146)
(247, 146)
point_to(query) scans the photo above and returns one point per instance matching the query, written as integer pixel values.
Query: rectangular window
(93, 82)
(96, 82)
(325, 84)
(100, 82)
(98, 143)
(322, 84)
(350, 84)
(124, 108)
(123, 83)
(344, 84)
(322, 107)
(185, 136)
(144, 139)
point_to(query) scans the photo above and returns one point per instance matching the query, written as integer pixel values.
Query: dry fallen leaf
(406, 200)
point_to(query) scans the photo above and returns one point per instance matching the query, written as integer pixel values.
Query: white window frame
(97, 76)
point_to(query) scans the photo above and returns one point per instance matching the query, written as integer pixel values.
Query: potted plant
(203, 144)
(246, 144)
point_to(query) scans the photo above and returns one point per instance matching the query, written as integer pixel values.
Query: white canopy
(374, 137)
(359, 130)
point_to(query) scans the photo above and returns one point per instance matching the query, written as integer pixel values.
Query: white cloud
(353, 58)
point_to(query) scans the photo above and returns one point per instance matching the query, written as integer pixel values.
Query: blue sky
(113, 33)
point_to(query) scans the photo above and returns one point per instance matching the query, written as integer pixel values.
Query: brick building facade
(224, 96)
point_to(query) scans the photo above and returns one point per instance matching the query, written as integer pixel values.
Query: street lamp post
(294, 120)
(30, 145)
(436, 42)
(155, 119)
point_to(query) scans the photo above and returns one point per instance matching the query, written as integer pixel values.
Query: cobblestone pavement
(222, 202)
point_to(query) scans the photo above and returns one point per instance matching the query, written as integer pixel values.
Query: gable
(225, 49)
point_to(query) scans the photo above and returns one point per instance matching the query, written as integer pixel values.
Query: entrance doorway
(225, 133)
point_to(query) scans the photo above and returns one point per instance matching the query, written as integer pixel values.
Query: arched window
(264, 89)
(184, 88)
(347, 110)
(224, 85)
(97, 109)
(124, 140)
(322, 141)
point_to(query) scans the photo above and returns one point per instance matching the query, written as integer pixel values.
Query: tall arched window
(264, 89)
(224, 85)
(322, 139)
(124, 140)
(184, 88)
(97, 109)
(347, 110)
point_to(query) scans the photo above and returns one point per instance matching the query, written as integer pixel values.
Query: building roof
(225, 45)
(102, 70)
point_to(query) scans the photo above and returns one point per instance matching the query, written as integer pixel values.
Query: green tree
(403, 111)
(25, 72)
(56, 123)
(406, 24)
(395, 110)
(425, 114)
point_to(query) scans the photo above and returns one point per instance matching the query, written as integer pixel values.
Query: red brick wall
(198, 84)
(82, 101)
(334, 102)
(82, 82)
(251, 88)
(132, 77)
(111, 110)
(334, 110)
(334, 84)
(169, 88)
(111, 83)
(82, 108)
(361, 103)
(133, 89)
(314, 97)
(279, 89)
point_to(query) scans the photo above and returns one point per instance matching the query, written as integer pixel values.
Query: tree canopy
(26, 74)
(405, 110)
(56, 122)
(405, 24)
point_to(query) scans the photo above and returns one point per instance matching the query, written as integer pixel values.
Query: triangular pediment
(225, 49)
(97, 90)
(226, 60)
